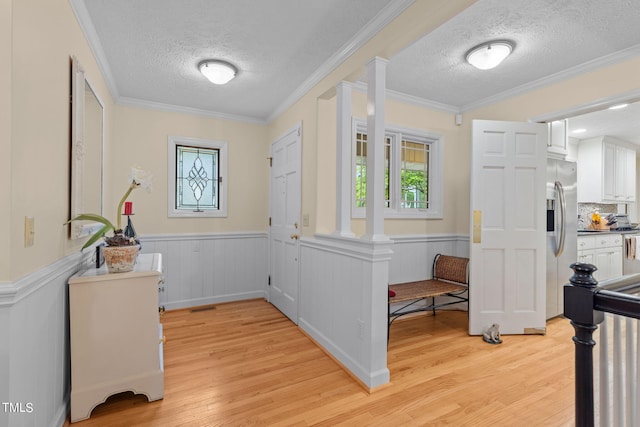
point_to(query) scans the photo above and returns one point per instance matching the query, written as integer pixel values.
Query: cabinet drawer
(586, 242)
(608, 240)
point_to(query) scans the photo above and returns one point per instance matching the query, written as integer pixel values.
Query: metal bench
(450, 278)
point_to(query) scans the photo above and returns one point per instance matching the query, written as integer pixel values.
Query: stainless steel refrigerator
(562, 230)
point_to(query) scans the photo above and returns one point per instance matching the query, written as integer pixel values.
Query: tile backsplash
(585, 209)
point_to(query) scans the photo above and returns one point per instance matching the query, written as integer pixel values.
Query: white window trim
(174, 141)
(436, 152)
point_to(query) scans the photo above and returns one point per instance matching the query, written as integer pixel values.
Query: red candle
(128, 208)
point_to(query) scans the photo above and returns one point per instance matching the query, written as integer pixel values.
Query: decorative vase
(120, 259)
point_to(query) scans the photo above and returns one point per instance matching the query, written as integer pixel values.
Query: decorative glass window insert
(197, 169)
(197, 178)
(413, 172)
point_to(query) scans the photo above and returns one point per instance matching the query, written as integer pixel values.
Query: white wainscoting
(343, 302)
(343, 298)
(206, 269)
(202, 269)
(413, 255)
(34, 349)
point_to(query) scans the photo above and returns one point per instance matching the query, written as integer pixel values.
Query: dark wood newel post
(578, 306)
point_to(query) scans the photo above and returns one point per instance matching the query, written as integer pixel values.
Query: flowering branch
(138, 178)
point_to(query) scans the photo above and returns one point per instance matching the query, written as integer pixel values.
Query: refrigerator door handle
(563, 212)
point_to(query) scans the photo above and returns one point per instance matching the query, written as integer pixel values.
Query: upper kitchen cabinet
(558, 144)
(606, 171)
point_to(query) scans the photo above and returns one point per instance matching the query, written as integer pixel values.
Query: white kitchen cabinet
(606, 171)
(558, 144)
(604, 251)
(630, 176)
(116, 335)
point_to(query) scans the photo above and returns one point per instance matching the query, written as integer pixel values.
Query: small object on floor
(492, 335)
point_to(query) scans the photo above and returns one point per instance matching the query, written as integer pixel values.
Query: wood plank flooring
(244, 363)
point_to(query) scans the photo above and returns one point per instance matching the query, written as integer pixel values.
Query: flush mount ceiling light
(490, 54)
(218, 72)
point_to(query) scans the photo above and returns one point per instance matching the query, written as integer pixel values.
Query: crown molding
(575, 71)
(381, 20)
(171, 108)
(411, 99)
(589, 107)
(84, 20)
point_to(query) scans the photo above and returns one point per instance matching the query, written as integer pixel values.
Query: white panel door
(508, 226)
(285, 223)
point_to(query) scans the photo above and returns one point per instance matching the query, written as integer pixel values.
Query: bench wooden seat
(423, 289)
(450, 278)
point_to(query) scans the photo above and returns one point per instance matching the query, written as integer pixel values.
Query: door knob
(294, 236)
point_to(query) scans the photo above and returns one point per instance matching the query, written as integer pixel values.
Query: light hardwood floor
(244, 363)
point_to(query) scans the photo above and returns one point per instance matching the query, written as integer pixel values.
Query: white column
(343, 160)
(376, 87)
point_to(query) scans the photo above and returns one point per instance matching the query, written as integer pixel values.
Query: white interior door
(508, 226)
(285, 199)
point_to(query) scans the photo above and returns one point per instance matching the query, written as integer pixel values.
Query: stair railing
(585, 304)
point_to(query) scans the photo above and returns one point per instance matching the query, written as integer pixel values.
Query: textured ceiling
(152, 47)
(550, 36)
(149, 49)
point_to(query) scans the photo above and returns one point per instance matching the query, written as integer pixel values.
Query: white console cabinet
(116, 335)
(604, 251)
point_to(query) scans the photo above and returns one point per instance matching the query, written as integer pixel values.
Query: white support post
(343, 160)
(376, 88)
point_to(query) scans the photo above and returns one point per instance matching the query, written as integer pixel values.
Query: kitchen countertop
(596, 232)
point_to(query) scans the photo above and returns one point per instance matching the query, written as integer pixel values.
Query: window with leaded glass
(196, 178)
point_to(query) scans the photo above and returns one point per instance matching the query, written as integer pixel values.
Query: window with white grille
(413, 173)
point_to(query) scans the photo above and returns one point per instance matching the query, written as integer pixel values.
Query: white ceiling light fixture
(218, 72)
(490, 54)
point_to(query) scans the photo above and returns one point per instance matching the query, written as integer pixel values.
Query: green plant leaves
(98, 234)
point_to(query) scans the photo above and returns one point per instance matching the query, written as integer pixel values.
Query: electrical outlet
(360, 329)
(29, 231)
